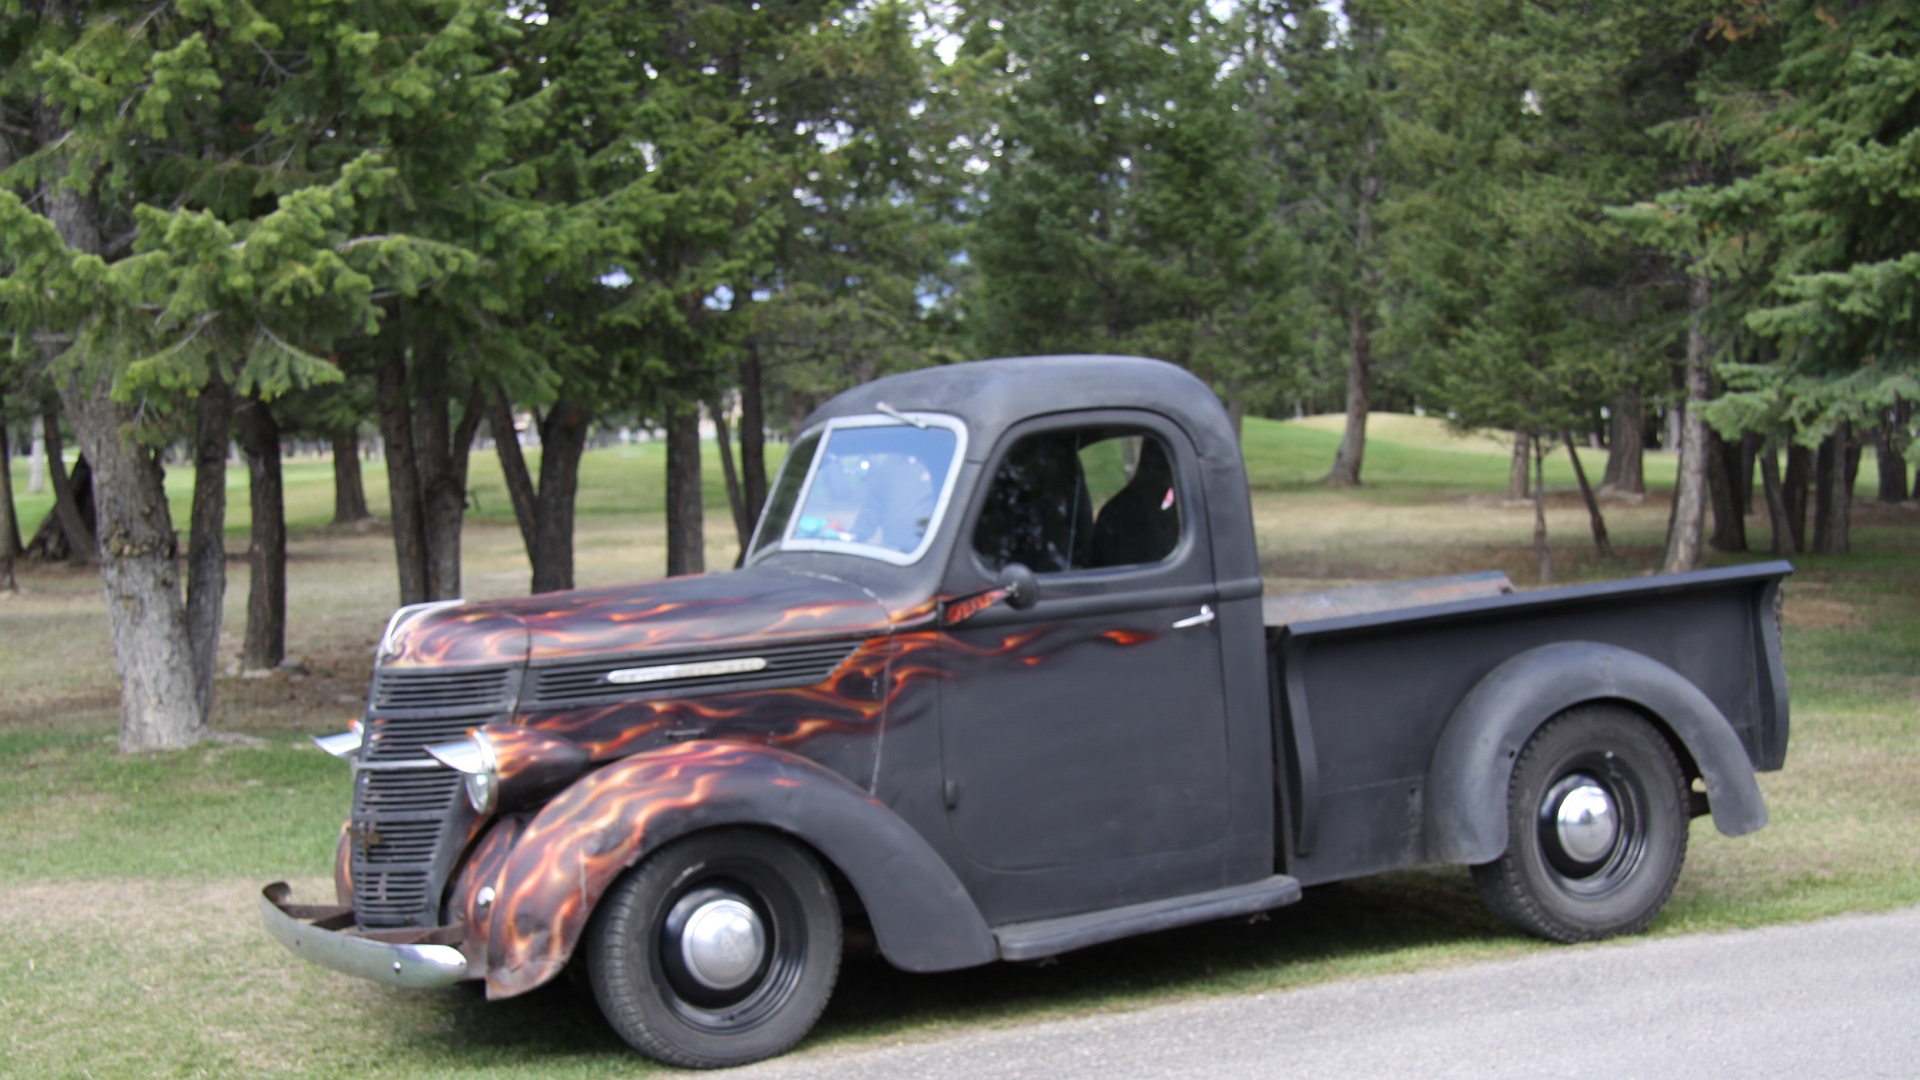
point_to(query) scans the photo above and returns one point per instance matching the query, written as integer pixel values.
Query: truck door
(1089, 728)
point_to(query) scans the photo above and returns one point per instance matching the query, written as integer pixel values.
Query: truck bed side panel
(1362, 700)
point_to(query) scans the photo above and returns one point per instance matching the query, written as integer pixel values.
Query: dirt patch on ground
(1821, 613)
(164, 913)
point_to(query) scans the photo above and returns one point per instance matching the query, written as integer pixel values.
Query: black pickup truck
(998, 680)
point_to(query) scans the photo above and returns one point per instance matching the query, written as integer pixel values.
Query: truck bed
(1365, 680)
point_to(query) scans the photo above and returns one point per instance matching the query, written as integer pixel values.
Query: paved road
(1839, 998)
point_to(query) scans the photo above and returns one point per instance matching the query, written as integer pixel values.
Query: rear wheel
(1597, 814)
(718, 950)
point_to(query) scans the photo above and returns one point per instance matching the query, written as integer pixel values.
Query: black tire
(1567, 882)
(640, 967)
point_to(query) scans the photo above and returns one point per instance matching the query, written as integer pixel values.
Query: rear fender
(579, 844)
(1473, 762)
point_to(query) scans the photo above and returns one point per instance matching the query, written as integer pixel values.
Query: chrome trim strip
(411, 966)
(698, 669)
(400, 617)
(387, 766)
(342, 745)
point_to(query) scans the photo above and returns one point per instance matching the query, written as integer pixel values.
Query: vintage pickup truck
(997, 680)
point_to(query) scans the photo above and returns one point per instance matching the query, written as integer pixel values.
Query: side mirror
(1023, 591)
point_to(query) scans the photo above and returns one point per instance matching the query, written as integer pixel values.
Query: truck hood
(703, 611)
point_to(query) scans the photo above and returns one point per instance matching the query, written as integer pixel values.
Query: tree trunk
(1833, 502)
(49, 542)
(1825, 471)
(1853, 448)
(563, 439)
(1520, 467)
(82, 547)
(1690, 492)
(1794, 493)
(139, 557)
(1601, 544)
(349, 491)
(403, 474)
(37, 464)
(686, 533)
(1353, 444)
(266, 640)
(513, 467)
(1541, 549)
(9, 522)
(735, 501)
(1749, 449)
(1782, 544)
(545, 514)
(139, 569)
(753, 437)
(207, 535)
(1626, 445)
(1723, 489)
(446, 527)
(10, 527)
(442, 462)
(1889, 456)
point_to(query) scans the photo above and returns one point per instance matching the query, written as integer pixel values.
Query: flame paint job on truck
(589, 834)
(850, 701)
(575, 847)
(756, 605)
(482, 870)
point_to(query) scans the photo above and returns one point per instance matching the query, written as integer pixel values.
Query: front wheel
(1597, 814)
(718, 950)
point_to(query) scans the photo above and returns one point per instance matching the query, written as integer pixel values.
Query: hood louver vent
(670, 674)
(484, 690)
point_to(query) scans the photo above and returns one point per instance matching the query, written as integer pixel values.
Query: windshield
(866, 486)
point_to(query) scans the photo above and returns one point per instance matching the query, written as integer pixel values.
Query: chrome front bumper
(316, 933)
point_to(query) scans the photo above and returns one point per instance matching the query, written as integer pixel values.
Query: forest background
(428, 224)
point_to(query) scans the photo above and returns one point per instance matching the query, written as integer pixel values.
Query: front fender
(573, 850)
(1473, 762)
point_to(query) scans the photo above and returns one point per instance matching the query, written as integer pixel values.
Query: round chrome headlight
(473, 756)
(508, 766)
(482, 791)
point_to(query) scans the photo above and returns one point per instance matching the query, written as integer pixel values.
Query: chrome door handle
(1202, 619)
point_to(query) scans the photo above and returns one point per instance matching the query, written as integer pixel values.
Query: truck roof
(992, 395)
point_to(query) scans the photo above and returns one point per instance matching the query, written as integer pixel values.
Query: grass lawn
(129, 944)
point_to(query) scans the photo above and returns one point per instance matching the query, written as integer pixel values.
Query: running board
(1046, 937)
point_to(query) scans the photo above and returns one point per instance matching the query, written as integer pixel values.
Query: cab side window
(1081, 499)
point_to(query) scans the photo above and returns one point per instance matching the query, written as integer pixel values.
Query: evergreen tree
(182, 205)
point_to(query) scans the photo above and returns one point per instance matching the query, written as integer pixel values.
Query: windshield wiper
(889, 410)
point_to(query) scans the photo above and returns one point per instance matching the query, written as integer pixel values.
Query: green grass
(614, 481)
(129, 945)
(1408, 457)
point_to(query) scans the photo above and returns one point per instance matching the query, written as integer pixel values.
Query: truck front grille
(399, 740)
(435, 689)
(410, 791)
(409, 813)
(386, 897)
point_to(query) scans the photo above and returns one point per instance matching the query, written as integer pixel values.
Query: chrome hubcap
(1587, 822)
(723, 943)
